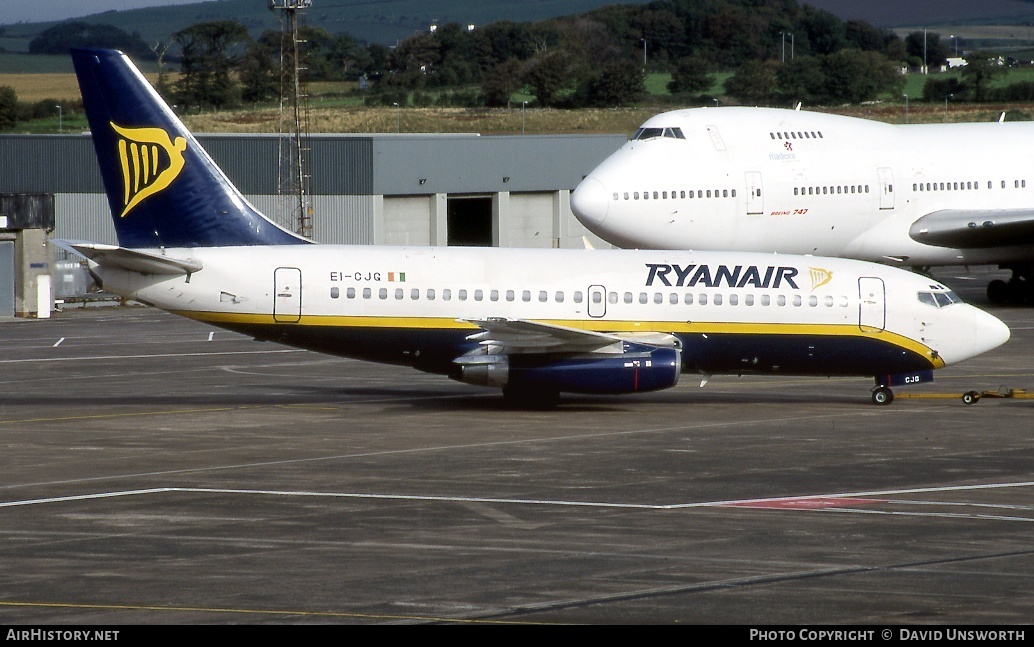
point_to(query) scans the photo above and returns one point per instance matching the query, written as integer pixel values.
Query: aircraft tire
(882, 395)
(998, 292)
(970, 397)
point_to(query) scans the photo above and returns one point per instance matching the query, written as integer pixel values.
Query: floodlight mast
(295, 179)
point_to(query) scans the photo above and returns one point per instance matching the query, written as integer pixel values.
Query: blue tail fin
(164, 189)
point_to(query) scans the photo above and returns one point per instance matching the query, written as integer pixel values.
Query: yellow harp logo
(150, 162)
(819, 277)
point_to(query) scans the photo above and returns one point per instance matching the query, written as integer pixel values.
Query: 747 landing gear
(882, 395)
(1019, 289)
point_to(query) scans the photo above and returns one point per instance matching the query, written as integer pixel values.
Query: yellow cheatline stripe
(444, 323)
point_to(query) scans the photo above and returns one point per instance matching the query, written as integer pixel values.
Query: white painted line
(58, 343)
(151, 356)
(562, 503)
(210, 335)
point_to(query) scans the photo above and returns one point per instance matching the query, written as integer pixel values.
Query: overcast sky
(12, 11)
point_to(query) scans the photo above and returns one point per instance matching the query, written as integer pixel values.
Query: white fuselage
(759, 179)
(732, 312)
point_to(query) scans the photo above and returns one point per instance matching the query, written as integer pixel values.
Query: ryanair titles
(738, 276)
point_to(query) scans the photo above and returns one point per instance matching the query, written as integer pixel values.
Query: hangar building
(391, 189)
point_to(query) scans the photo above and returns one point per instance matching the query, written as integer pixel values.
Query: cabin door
(886, 188)
(755, 202)
(597, 301)
(872, 304)
(287, 294)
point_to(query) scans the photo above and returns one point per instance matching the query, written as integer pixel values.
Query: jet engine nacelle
(637, 369)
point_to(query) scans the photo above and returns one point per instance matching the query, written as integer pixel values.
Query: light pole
(60, 119)
(906, 107)
(946, 97)
(782, 58)
(644, 53)
(524, 104)
(398, 123)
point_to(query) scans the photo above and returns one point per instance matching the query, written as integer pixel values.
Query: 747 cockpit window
(939, 299)
(654, 133)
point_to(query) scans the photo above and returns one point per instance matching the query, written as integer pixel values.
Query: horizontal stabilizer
(975, 229)
(129, 259)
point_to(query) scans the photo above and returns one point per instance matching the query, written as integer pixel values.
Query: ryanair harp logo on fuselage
(150, 162)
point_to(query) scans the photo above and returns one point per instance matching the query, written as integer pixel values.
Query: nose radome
(590, 202)
(991, 331)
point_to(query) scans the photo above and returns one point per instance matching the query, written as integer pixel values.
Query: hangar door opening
(469, 221)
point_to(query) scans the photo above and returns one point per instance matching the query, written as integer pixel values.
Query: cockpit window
(654, 133)
(939, 299)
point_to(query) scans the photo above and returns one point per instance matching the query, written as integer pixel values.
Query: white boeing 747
(533, 322)
(792, 181)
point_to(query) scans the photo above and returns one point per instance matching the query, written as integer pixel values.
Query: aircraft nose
(590, 202)
(991, 332)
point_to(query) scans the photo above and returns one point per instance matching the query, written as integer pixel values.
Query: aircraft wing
(971, 229)
(513, 336)
(130, 259)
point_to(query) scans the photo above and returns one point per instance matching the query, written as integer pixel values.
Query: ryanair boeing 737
(533, 322)
(798, 182)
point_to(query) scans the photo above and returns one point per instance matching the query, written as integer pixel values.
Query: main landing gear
(1018, 290)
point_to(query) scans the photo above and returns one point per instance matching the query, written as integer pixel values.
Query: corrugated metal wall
(360, 184)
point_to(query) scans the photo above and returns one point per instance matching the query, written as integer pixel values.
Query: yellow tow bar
(971, 397)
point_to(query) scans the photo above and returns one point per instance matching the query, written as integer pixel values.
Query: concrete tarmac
(154, 470)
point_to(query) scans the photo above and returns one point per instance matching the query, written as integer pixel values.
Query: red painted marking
(809, 503)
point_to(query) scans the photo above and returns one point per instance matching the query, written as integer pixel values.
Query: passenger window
(509, 295)
(335, 293)
(382, 293)
(781, 300)
(479, 295)
(446, 295)
(367, 293)
(688, 299)
(628, 297)
(559, 297)
(644, 298)
(526, 296)
(399, 294)
(414, 294)
(494, 295)
(430, 294)
(702, 300)
(658, 297)
(462, 295)
(350, 293)
(612, 297)
(717, 299)
(578, 296)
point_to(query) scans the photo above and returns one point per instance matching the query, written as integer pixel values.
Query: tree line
(779, 51)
